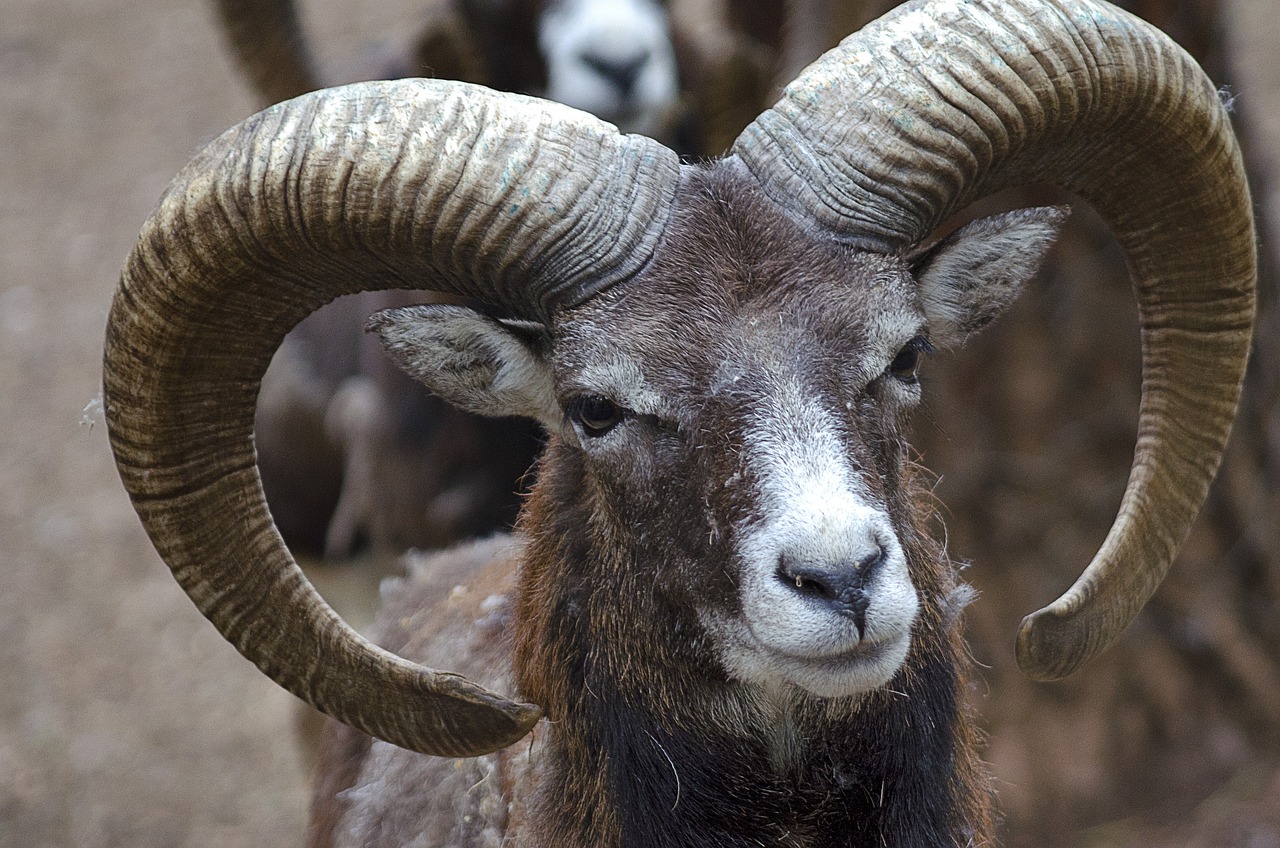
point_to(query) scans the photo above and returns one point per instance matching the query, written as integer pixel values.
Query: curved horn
(940, 103)
(413, 184)
(266, 37)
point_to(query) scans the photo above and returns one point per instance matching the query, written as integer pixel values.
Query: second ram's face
(612, 58)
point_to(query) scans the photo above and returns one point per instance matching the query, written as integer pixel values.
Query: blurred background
(125, 720)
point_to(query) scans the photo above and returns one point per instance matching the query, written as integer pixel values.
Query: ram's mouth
(865, 651)
(868, 649)
(866, 666)
(840, 668)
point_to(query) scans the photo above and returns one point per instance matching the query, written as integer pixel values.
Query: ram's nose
(841, 586)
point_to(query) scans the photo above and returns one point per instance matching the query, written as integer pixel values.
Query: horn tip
(524, 716)
(515, 720)
(490, 725)
(1049, 646)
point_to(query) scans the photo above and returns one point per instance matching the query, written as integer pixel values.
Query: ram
(723, 596)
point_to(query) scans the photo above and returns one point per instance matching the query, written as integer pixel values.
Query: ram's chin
(871, 667)
(867, 666)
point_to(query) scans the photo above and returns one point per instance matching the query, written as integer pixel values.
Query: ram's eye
(596, 415)
(904, 365)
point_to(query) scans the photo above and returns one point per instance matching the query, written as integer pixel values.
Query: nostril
(870, 564)
(808, 581)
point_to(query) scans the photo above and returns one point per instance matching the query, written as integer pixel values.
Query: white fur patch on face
(612, 58)
(814, 511)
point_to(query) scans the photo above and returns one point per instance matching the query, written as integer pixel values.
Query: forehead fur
(733, 269)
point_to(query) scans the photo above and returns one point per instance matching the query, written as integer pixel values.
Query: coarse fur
(675, 612)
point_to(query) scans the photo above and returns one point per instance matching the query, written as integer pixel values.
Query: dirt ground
(124, 719)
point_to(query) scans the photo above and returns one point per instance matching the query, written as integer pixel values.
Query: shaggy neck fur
(668, 751)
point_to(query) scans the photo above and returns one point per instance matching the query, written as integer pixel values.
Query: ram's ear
(974, 274)
(477, 363)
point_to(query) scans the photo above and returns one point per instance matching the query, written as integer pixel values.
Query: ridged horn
(940, 103)
(412, 184)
